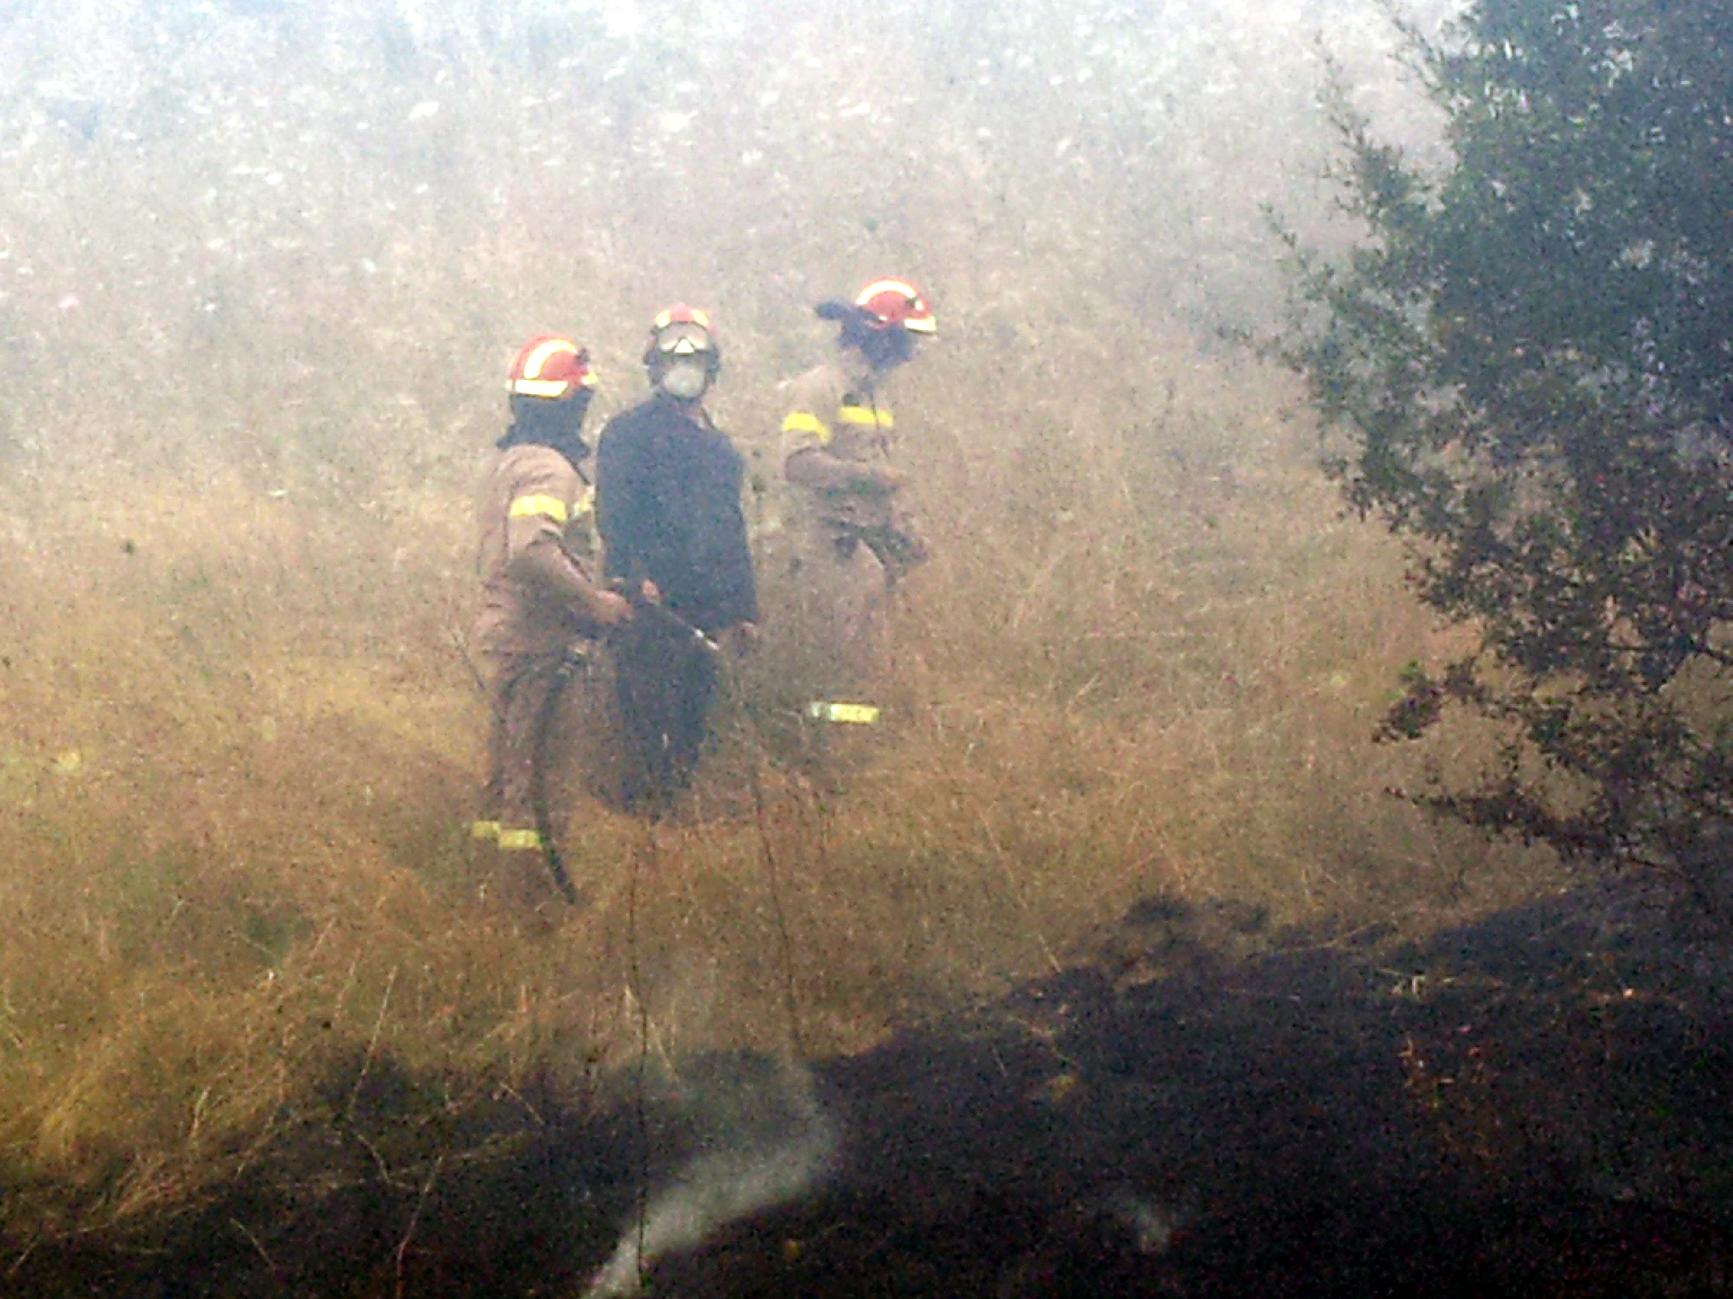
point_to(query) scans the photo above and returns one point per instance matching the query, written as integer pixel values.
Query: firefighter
(542, 611)
(668, 487)
(853, 535)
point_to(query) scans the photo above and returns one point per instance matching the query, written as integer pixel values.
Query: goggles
(683, 339)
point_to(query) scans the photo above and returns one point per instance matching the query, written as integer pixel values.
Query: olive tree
(1530, 362)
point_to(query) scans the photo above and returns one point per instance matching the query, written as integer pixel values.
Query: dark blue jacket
(668, 509)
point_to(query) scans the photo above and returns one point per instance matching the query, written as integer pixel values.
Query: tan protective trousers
(842, 593)
(538, 706)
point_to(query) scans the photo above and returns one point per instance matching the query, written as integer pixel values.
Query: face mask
(685, 380)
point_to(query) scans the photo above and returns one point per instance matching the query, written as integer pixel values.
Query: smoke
(762, 1139)
(1150, 1224)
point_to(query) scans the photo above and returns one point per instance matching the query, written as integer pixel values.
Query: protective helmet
(550, 367)
(679, 331)
(895, 303)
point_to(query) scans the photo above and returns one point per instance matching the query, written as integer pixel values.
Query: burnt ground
(1538, 1103)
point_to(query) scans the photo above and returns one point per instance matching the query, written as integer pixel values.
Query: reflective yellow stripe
(549, 506)
(519, 840)
(822, 710)
(800, 421)
(539, 387)
(586, 503)
(484, 829)
(865, 417)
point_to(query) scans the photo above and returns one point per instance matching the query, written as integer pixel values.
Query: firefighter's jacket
(833, 435)
(536, 519)
(668, 509)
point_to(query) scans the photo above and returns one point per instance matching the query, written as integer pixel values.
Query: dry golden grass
(240, 738)
(241, 742)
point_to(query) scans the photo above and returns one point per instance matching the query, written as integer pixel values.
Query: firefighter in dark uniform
(668, 485)
(542, 610)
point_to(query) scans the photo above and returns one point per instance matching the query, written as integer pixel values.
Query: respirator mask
(684, 360)
(685, 377)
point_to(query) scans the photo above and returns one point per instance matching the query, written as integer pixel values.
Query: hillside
(261, 269)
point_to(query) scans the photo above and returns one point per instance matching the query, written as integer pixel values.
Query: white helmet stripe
(877, 287)
(545, 352)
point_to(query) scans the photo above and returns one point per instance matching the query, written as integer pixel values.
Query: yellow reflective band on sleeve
(486, 830)
(823, 710)
(551, 507)
(865, 417)
(800, 421)
(519, 841)
(586, 503)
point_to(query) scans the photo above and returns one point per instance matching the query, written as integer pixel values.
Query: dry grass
(242, 419)
(241, 745)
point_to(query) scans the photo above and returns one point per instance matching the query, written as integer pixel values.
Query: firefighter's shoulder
(809, 405)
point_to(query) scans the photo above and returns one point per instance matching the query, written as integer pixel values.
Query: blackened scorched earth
(1537, 1103)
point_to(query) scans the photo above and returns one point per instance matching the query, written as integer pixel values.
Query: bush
(1532, 363)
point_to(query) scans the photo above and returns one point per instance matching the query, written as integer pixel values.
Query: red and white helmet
(550, 366)
(896, 303)
(681, 330)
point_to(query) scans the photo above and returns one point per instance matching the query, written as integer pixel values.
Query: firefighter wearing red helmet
(668, 486)
(541, 611)
(853, 533)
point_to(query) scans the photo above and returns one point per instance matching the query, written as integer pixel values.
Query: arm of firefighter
(815, 468)
(807, 438)
(535, 531)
